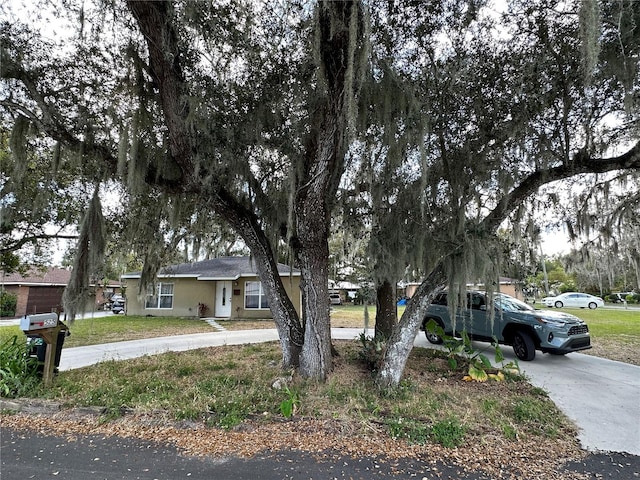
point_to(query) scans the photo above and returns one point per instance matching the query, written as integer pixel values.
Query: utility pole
(544, 272)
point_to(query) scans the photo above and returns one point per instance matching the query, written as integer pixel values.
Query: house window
(160, 296)
(254, 296)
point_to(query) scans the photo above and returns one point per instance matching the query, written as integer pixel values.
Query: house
(37, 291)
(346, 290)
(40, 291)
(226, 287)
(507, 285)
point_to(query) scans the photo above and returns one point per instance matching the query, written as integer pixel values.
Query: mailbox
(30, 323)
(45, 334)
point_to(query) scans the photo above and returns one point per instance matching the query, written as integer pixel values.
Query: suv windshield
(510, 304)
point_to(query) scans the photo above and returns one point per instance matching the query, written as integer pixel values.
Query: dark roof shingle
(222, 268)
(51, 276)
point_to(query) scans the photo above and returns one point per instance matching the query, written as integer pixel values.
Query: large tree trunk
(290, 329)
(315, 359)
(386, 309)
(339, 33)
(400, 343)
(312, 211)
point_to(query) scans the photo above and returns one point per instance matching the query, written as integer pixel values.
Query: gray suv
(514, 323)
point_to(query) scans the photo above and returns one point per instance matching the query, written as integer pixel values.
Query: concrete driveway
(601, 396)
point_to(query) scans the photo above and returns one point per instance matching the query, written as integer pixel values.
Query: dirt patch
(627, 352)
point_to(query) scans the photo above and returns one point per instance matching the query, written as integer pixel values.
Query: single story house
(40, 291)
(507, 285)
(346, 290)
(225, 287)
(37, 291)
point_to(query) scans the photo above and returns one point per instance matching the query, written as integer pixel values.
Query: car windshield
(510, 304)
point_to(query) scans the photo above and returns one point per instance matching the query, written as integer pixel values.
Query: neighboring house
(37, 291)
(346, 290)
(41, 291)
(226, 287)
(507, 285)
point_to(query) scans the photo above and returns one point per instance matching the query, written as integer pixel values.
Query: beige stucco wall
(507, 288)
(189, 292)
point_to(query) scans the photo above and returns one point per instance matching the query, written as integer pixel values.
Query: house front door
(223, 299)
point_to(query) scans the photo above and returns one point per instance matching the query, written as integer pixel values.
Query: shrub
(371, 352)
(18, 371)
(8, 302)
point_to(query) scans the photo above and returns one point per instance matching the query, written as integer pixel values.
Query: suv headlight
(550, 322)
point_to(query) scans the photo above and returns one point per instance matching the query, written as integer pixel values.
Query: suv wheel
(523, 346)
(558, 304)
(432, 337)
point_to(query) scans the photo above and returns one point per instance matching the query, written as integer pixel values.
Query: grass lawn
(117, 328)
(623, 325)
(229, 389)
(615, 333)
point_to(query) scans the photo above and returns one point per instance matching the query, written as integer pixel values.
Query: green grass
(93, 331)
(207, 385)
(617, 324)
(225, 386)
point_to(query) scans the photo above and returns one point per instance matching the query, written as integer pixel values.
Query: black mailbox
(45, 338)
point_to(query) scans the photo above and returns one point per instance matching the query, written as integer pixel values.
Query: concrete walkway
(601, 396)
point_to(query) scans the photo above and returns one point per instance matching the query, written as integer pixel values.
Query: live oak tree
(242, 109)
(544, 123)
(39, 202)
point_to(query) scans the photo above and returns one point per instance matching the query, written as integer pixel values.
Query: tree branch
(19, 243)
(156, 25)
(580, 164)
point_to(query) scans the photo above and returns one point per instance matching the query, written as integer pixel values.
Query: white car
(573, 299)
(335, 299)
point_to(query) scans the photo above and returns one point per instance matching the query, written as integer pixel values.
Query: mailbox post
(47, 326)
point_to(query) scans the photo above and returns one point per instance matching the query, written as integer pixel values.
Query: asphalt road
(40, 457)
(30, 455)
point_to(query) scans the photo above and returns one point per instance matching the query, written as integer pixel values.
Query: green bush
(18, 372)
(371, 351)
(8, 302)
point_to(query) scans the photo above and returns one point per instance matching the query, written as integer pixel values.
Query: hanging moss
(590, 28)
(123, 147)
(55, 158)
(18, 143)
(88, 260)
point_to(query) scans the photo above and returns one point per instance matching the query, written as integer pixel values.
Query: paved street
(87, 457)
